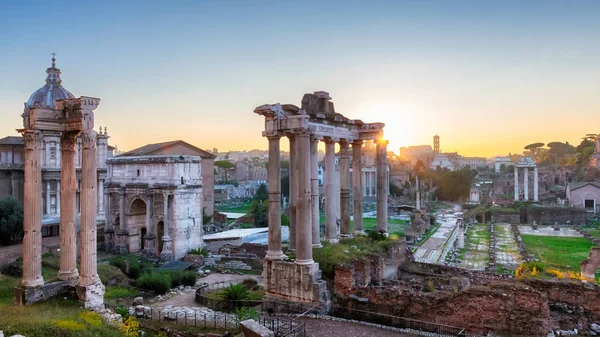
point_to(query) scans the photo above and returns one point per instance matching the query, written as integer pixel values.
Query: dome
(47, 95)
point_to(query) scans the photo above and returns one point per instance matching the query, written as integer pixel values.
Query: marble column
(516, 183)
(48, 197)
(345, 231)
(32, 211)
(68, 215)
(535, 184)
(109, 229)
(58, 196)
(89, 204)
(357, 186)
(149, 237)
(100, 196)
(303, 202)
(330, 216)
(526, 183)
(167, 252)
(274, 251)
(314, 188)
(382, 197)
(293, 181)
(364, 183)
(90, 288)
(122, 216)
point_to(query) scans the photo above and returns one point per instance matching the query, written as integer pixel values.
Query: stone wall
(504, 217)
(562, 215)
(287, 281)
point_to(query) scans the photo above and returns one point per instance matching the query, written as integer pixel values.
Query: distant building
(473, 162)
(584, 195)
(443, 161)
(179, 147)
(424, 153)
(436, 144)
(501, 161)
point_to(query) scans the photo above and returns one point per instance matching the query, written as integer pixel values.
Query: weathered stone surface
(91, 296)
(251, 328)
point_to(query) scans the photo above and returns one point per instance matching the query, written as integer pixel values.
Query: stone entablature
(154, 205)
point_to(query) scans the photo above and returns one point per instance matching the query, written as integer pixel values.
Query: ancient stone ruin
(70, 117)
(305, 126)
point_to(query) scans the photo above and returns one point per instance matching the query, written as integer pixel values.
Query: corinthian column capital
(33, 138)
(88, 138)
(68, 140)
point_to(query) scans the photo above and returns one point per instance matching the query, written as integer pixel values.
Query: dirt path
(189, 299)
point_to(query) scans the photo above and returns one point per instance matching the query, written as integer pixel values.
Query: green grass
(119, 292)
(253, 295)
(558, 252)
(331, 255)
(237, 208)
(56, 317)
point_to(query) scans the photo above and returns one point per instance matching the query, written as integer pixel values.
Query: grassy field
(243, 207)
(558, 252)
(57, 317)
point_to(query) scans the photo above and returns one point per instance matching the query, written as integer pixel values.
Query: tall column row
(526, 184)
(304, 195)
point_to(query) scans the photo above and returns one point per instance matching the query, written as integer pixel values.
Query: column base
(304, 262)
(317, 245)
(166, 256)
(292, 282)
(275, 255)
(32, 283)
(91, 296)
(68, 275)
(345, 236)
(359, 232)
(333, 240)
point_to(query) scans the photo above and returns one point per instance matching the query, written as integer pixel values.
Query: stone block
(91, 296)
(251, 328)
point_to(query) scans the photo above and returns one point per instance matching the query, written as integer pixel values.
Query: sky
(489, 77)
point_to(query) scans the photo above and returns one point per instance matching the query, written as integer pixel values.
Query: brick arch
(589, 265)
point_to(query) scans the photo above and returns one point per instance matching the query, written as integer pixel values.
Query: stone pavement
(549, 231)
(431, 250)
(507, 250)
(477, 248)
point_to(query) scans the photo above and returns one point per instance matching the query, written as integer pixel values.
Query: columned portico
(293, 181)
(525, 164)
(357, 186)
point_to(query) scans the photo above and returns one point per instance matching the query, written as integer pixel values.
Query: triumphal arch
(306, 126)
(71, 117)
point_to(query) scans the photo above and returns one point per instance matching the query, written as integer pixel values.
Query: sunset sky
(489, 77)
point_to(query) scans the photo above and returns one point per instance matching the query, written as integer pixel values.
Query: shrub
(156, 281)
(243, 313)
(204, 252)
(375, 236)
(250, 284)
(235, 293)
(189, 277)
(131, 327)
(120, 263)
(123, 311)
(134, 270)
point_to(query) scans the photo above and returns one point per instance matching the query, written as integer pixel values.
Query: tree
(11, 221)
(534, 148)
(224, 165)
(259, 210)
(395, 190)
(261, 193)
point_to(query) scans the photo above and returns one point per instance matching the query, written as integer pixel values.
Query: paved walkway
(327, 328)
(475, 255)
(507, 250)
(431, 250)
